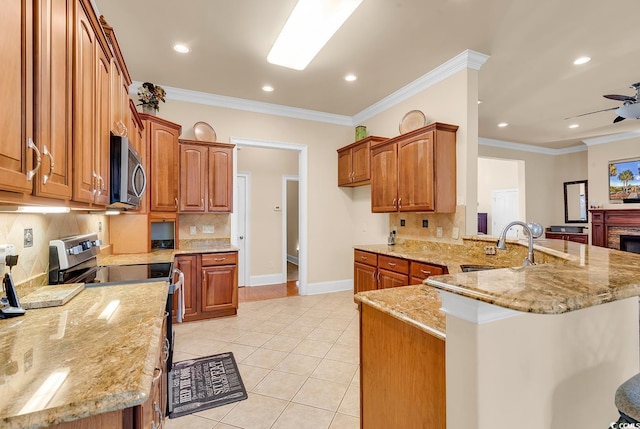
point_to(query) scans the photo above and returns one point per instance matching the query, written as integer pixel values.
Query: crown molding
(467, 59)
(248, 105)
(612, 138)
(483, 141)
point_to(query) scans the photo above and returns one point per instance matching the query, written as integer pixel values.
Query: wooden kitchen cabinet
(161, 138)
(189, 266)
(392, 272)
(415, 171)
(211, 285)
(578, 238)
(402, 374)
(206, 177)
(354, 165)
(421, 271)
(365, 270)
(91, 112)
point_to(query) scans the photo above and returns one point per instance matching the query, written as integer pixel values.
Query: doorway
(504, 209)
(290, 226)
(243, 192)
(302, 155)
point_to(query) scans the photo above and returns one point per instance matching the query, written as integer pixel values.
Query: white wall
(495, 174)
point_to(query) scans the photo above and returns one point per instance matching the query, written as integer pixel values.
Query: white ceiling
(529, 80)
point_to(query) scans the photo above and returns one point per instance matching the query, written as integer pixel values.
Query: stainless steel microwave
(128, 178)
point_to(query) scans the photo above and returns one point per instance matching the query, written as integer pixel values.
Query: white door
(242, 183)
(504, 209)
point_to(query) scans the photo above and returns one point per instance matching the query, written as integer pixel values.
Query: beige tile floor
(298, 358)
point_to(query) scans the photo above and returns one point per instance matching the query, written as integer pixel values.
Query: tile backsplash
(34, 261)
(413, 225)
(221, 224)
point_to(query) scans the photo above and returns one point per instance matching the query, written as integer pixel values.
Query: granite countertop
(569, 276)
(102, 364)
(415, 305)
(187, 247)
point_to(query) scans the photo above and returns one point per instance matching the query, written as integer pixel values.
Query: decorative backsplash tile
(413, 225)
(34, 261)
(221, 224)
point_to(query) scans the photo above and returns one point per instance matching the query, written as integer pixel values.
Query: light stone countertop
(103, 364)
(187, 247)
(569, 276)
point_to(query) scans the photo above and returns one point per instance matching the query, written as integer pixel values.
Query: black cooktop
(136, 273)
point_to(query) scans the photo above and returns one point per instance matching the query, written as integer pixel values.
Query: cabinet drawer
(393, 264)
(422, 270)
(365, 258)
(219, 259)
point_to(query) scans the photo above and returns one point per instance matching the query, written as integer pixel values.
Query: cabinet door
(193, 178)
(220, 179)
(388, 279)
(384, 179)
(189, 267)
(364, 277)
(344, 167)
(115, 98)
(84, 176)
(103, 136)
(53, 73)
(218, 289)
(360, 162)
(163, 144)
(421, 271)
(416, 174)
(16, 128)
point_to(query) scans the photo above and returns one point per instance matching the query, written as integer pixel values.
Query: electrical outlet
(455, 233)
(439, 232)
(99, 226)
(193, 230)
(28, 237)
(402, 222)
(425, 223)
(208, 229)
(489, 250)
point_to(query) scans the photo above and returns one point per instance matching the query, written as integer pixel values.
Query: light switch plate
(193, 230)
(208, 229)
(439, 232)
(455, 233)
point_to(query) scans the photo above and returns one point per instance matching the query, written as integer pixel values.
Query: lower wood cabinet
(578, 238)
(210, 285)
(372, 271)
(402, 374)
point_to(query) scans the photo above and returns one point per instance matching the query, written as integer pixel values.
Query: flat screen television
(624, 180)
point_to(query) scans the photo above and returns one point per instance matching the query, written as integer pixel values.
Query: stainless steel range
(74, 260)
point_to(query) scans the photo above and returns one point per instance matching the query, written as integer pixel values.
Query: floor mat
(203, 383)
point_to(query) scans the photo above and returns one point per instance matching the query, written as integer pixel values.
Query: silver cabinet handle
(52, 165)
(392, 264)
(399, 203)
(176, 201)
(156, 377)
(425, 272)
(165, 350)
(202, 202)
(95, 183)
(394, 203)
(33, 147)
(219, 259)
(210, 202)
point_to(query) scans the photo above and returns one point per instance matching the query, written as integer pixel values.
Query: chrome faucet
(502, 245)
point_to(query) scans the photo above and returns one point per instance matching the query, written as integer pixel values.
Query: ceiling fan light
(309, 27)
(629, 111)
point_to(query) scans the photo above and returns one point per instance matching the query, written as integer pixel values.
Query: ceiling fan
(630, 108)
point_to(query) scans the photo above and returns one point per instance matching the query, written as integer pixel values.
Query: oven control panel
(71, 251)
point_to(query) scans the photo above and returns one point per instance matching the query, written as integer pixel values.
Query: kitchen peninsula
(538, 347)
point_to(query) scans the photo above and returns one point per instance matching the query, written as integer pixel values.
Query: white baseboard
(328, 287)
(292, 259)
(267, 279)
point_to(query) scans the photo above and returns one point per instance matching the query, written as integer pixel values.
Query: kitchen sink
(466, 268)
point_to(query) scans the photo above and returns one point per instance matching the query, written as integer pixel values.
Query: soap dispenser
(13, 308)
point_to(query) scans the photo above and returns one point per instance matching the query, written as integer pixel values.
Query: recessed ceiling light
(179, 47)
(574, 126)
(267, 88)
(581, 60)
(308, 28)
(479, 101)
(502, 124)
(350, 77)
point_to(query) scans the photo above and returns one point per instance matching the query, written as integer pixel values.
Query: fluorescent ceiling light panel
(309, 27)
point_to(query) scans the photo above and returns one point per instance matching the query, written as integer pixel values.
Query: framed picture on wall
(624, 180)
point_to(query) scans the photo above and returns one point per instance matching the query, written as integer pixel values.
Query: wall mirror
(576, 196)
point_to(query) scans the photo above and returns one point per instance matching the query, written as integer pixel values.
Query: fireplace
(630, 243)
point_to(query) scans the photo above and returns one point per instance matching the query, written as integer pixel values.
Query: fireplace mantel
(608, 224)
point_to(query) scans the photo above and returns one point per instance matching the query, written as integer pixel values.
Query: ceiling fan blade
(619, 97)
(618, 119)
(590, 113)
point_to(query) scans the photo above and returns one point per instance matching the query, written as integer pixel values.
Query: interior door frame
(247, 227)
(285, 179)
(303, 181)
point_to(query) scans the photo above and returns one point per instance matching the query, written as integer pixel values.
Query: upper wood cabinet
(91, 86)
(354, 168)
(120, 82)
(162, 141)
(206, 177)
(415, 171)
